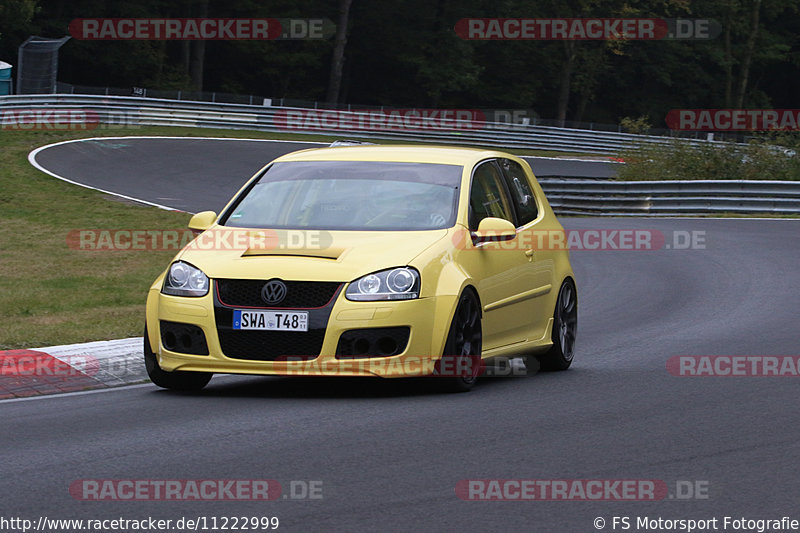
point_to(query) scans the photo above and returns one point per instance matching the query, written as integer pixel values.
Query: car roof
(395, 153)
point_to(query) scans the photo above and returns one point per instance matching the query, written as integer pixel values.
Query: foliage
(638, 125)
(407, 54)
(770, 157)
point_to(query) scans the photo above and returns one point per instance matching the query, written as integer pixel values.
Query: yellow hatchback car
(389, 261)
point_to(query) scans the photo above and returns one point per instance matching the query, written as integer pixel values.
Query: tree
(337, 61)
(15, 25)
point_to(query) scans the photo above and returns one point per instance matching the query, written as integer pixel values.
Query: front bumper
(427, 320)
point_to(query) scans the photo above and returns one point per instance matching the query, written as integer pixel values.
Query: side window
(488, 197)
(521, 191)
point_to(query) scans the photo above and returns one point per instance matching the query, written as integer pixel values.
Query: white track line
(61, 395)
(35, 152)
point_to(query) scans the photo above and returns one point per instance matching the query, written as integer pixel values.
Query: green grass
(49, 292)
(52, 294)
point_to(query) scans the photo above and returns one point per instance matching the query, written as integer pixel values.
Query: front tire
(177, 380)
(565, 328)
(462, 350)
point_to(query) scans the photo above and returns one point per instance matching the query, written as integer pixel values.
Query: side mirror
(492, 229)
(202, 221)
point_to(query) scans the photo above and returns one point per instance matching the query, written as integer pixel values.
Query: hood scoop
(331, 253)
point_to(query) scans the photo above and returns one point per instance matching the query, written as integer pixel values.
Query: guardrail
(137, 111)
(672, 197)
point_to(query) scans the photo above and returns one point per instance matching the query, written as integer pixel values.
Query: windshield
(350, 195)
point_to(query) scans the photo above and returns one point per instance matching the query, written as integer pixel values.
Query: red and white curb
(71, 368)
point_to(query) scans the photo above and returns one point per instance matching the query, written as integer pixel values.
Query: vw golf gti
(388, 261)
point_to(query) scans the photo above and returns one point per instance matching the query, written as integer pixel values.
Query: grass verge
(52, 294)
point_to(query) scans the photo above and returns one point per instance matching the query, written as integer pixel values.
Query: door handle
(529, 254)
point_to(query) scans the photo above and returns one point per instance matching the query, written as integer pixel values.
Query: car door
(501, 269)
(534, 239)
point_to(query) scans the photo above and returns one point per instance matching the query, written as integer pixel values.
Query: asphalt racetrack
(390, 454)
(195, 174)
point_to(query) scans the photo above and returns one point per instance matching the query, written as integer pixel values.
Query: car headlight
(185, 280)
(394, 284)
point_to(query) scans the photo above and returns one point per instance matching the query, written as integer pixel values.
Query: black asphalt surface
(169, 171)
(389, 454)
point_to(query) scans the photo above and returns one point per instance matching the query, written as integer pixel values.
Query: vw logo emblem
(273, 292)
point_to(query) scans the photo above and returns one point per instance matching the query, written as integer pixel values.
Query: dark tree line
(406, 53)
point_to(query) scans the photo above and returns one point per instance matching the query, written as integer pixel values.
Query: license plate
(270, 320)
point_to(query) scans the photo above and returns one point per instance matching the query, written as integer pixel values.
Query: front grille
(270, 345)
(372, 342)
(275, 345)
(299, 294)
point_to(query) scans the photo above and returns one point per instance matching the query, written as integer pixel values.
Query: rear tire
(464, 344)
(177, 380)
(565, 328)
